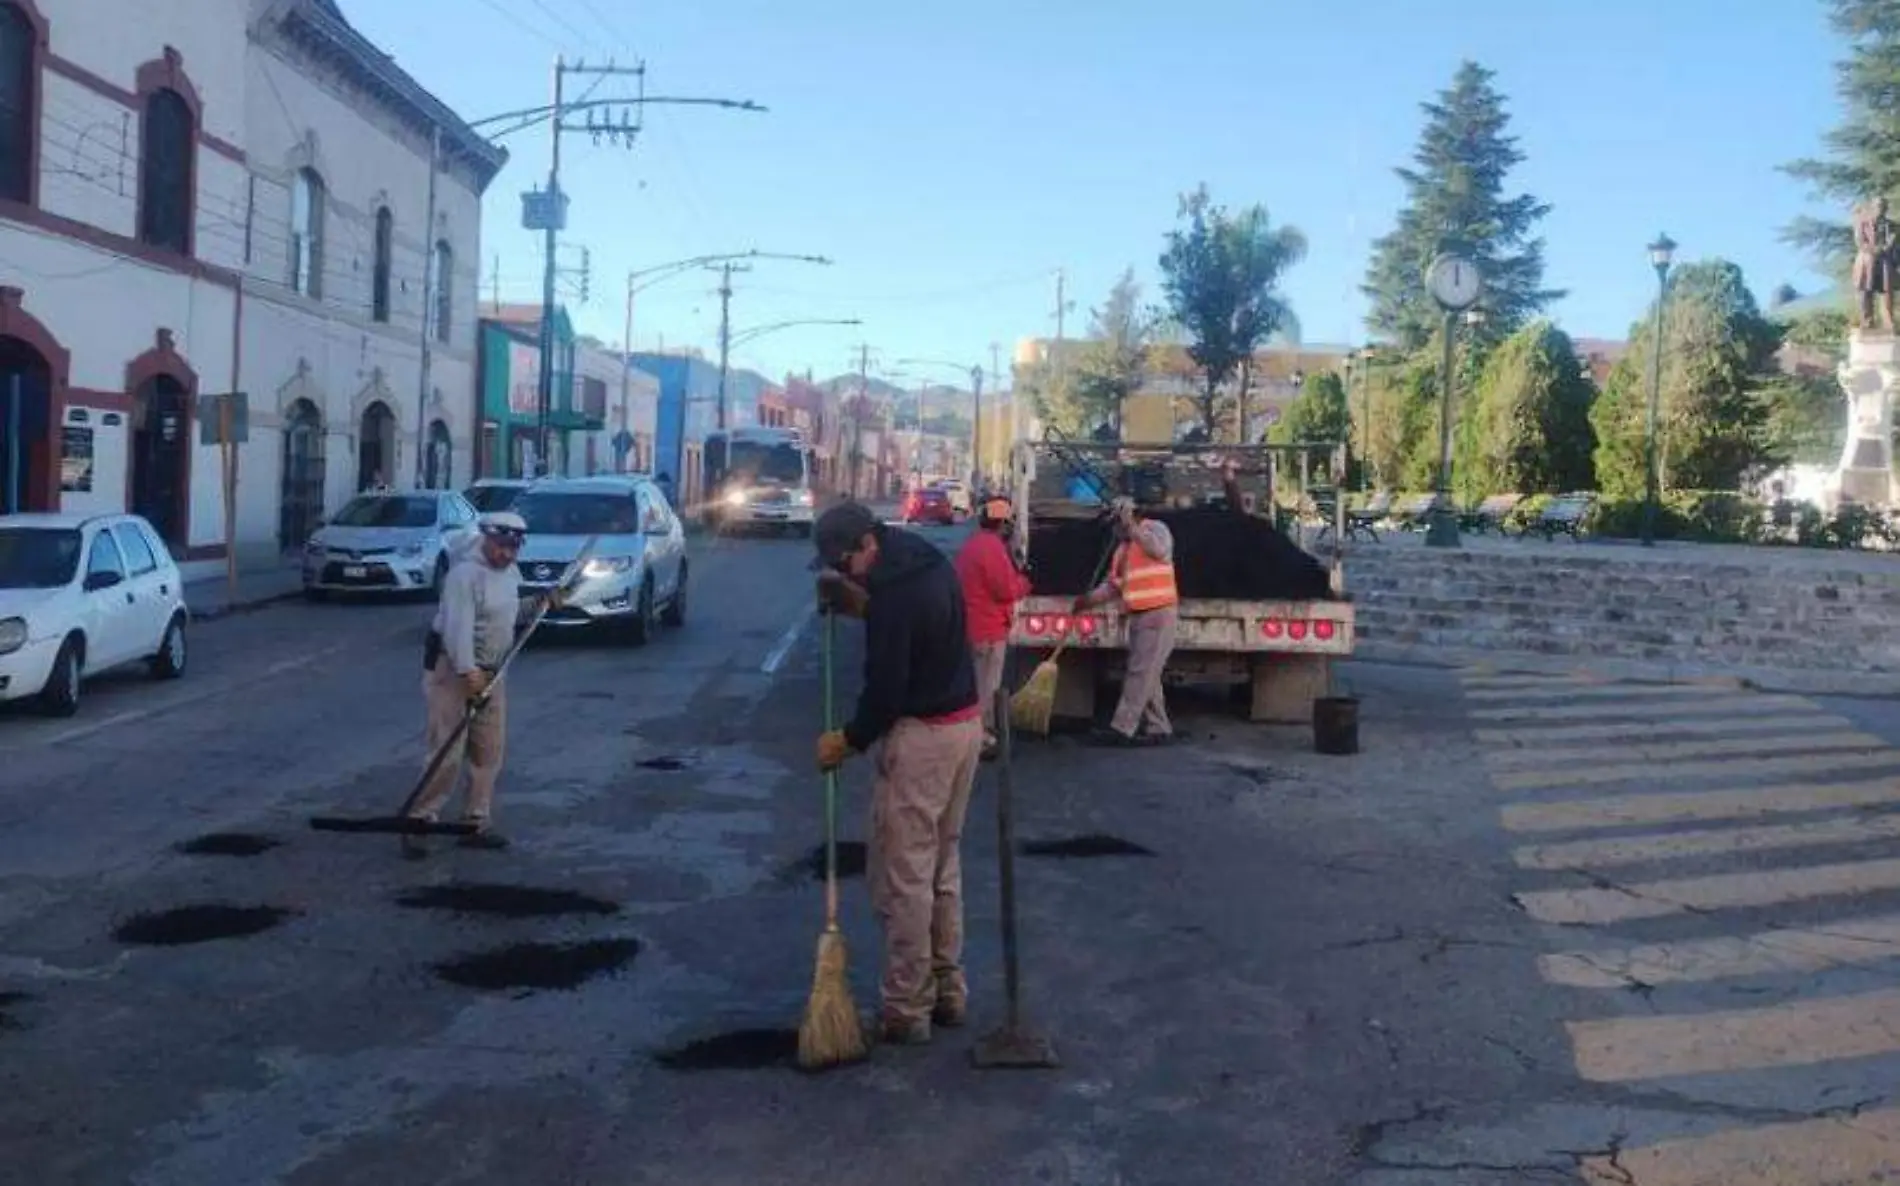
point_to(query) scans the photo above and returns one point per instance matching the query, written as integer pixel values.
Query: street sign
(215, 412)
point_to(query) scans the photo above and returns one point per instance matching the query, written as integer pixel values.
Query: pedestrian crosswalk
(1666, 827)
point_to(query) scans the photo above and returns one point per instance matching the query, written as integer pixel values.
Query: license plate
(355, 571)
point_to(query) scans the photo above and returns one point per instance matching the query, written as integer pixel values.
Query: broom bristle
(830, 1033)
(1032, 708)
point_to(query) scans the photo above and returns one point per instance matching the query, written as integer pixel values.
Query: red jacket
(991, 586)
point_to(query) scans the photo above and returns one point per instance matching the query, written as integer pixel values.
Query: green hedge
(1727, 517)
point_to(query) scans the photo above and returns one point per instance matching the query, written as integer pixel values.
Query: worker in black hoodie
(919, 707)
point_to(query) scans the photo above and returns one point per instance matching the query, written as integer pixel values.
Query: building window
(306, 233)
(17, 115)
(385, 247)
(165, 168)
(444, 291)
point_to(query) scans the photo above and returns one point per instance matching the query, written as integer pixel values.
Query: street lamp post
(976, 412)
(1661, 254)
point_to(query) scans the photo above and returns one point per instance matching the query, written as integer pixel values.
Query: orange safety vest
(1144, 582)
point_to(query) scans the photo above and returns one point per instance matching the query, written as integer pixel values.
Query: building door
(25, 432)
(436, 474)
(300, 500)
(376, 447)
(161, 439)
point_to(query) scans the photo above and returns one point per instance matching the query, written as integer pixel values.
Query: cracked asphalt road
(1330, 970)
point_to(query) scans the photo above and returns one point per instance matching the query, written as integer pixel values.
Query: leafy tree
(1113, 364)
(1221, 274)
(1319, 413)
(1403, 424)
(1718, 358)
(1455, 195)
(1863, 152)
(1528, 429)
(1805, 419)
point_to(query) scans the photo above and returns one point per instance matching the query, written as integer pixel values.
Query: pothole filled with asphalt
(852, 856)
(736, 1050)
(8, 1022)
(504, 901)
(204, 923)
(557, 966)
(666, 764)
(1095, 844)
(228, 844)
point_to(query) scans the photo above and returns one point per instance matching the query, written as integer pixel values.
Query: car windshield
(492, 498)
(550, 513)
(38, 557)
(771, 463)
(387, 511)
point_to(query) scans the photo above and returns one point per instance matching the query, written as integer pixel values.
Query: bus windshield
(750, 462)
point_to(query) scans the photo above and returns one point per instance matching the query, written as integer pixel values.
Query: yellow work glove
(833, 749)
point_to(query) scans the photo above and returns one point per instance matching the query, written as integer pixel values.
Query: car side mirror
(96, 581)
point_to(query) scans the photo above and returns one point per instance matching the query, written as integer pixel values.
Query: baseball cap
(839, 530)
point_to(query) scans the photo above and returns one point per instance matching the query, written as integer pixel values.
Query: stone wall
(1774, 617)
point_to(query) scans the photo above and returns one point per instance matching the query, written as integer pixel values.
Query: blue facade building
(688, 409)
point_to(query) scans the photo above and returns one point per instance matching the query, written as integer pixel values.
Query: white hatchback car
(81, 594)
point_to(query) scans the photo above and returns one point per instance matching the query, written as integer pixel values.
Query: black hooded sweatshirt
(916, 658)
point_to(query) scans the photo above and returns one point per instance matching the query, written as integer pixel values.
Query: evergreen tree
(1319, 413)
(1528, 430)
(1863, 152)
(1113, 364)
(1455, 195)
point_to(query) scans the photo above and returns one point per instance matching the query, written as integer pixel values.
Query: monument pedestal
(1869, 377)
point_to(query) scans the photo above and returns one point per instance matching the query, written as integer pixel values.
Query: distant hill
(939, 402)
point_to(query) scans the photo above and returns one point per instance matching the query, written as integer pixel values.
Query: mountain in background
(943, 406)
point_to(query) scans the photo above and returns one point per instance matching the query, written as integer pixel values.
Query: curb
(1865, 684)
(246, 606)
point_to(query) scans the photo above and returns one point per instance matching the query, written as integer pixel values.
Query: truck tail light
(1296, 631)
(1037, 624)
(1324, 630)
(1086, 627)
(1272, 628)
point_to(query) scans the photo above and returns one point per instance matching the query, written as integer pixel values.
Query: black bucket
(1336, 725)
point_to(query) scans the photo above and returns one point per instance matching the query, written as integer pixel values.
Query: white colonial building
(631, 400)
(200, 197)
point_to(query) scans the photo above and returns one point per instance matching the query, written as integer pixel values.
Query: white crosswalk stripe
(1713, 807)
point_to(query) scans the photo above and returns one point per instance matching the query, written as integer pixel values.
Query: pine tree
(1863, 151)
(1529, 422)
(1455, 196)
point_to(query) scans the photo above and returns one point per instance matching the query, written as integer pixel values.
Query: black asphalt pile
(229, 844)
(558, 966)
(851, 860)
(1080, 847)
(1217, 554)
(504, 901)
(198, 924)
(739, 1050)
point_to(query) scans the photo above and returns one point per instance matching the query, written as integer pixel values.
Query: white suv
(81, 594)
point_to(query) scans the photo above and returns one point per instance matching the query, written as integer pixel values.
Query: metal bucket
(1336, 725)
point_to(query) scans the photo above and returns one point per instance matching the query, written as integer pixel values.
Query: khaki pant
(1144, 696)
(446, 698)
(924, 775)
(988, 657)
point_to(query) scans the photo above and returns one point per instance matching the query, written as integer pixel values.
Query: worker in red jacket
(993, 582)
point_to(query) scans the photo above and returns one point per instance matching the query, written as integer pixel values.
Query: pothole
(198, 924)
(736, 1050)
(1095, 844)
(852, 858)
(228, 844)
(559, 966)
(505, 901)
(666, 764)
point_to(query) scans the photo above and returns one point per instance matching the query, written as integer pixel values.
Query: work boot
(903, 1031)
(990, 748)
(1110, 738)
(485, 839)
(950, 1012)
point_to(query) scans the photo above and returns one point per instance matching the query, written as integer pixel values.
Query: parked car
(637, 578)
(80, 595)
(495, 494)
(959, 495)
(929, 505)
(387, 543)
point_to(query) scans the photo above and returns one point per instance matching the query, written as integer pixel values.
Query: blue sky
(951, 156)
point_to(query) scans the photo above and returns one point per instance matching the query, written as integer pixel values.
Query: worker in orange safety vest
(1141, 579)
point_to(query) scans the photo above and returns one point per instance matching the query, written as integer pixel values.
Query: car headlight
(736, 498)
(12, 635)
(804, 498)
(606, 566)
(411, 550)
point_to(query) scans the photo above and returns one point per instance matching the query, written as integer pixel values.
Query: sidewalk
(257, 586)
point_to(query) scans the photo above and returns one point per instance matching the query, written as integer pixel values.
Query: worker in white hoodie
(480, 610)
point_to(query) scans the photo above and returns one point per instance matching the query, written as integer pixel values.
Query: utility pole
(725, 334)
(551, 226)
(626, 371)
(976, 431)
(857, 418)
(429, 306)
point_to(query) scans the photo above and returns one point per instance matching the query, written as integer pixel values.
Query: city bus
(759, 478)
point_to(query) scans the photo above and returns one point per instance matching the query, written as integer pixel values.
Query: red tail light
(1323, 630)
(1060, 625)
(1037, 624)
(1086, 627)
(1296, 630)
(1272, 628)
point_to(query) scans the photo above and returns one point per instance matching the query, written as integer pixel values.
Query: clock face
(1454, 282)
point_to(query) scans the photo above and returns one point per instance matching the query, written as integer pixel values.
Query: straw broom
(830, 1034)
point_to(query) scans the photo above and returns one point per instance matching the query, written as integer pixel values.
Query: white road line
(1799, 1033)
(1675, 807)
(1812, 949)
(1864, 1147)
(786, 641)
(1728, 891)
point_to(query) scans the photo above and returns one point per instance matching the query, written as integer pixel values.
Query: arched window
(385, 247)
(444, 291)
(306, 233)
(165, 172)
(18, 118)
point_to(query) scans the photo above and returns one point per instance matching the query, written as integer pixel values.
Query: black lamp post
(1661, 254)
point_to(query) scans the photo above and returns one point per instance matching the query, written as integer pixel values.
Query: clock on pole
(1455, 282)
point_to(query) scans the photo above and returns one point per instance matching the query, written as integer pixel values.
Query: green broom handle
(831, 788)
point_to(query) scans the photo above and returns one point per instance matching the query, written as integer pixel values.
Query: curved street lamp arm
(527, 117)
(759, 331)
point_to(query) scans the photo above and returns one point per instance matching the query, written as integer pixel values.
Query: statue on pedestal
(1874, 261)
